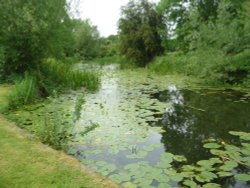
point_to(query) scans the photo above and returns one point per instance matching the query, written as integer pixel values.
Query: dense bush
(31, 30)
(139, 32)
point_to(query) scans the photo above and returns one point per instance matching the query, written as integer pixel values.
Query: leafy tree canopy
(31, 30)
(140, 32)
(86, 39)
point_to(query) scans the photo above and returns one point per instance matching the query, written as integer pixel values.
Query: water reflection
(195, 116)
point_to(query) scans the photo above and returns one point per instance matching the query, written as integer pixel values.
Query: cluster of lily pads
(228, 161)
(110, 133)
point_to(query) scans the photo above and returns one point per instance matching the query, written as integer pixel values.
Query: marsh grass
(78, 107)
(24, 92)
(62, 74)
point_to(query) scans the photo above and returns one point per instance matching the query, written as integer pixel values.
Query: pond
(138, 126)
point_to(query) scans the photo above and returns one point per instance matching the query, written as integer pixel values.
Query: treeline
(39, 42)
(205, 38)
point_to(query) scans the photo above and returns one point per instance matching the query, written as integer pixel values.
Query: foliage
(59, 73)
(78, 107)
(54, 131)
(210, 54)
(32, 30)
(109, 46)
(24, 92)
(38, 166)
(86, 39)
(139, 32)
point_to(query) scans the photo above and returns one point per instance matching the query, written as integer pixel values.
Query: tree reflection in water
(195, 116)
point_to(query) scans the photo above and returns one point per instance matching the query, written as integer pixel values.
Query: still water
(133, 126)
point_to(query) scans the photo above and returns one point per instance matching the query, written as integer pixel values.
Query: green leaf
(129, 185)
(211, 185)
(205, 176)
(190, 183)
(215, 161)
(132, 167)
(121, 177)
(101, 163)
(162, 178)
(224, 174)
(242, 177)
(167, 158)
(229, 166)
(218, 152)
(180, 158)
(177, 177)
(212, 146)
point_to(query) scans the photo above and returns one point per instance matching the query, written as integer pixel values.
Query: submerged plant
(78, 107)
(89, 128)
(55, 131)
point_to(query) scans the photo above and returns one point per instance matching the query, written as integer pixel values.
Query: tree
(139, 29)
(31, 30)
(86, 39)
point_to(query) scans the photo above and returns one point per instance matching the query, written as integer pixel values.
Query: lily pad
(229, 166)
(211, 185)
(224, 174)
(190, 183)
(129, 185)
(242, 177)
(212, 146)
(180, 158)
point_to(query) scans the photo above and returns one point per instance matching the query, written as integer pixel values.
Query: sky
(102, 13)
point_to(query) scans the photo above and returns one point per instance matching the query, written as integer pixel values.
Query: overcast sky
(102, 13)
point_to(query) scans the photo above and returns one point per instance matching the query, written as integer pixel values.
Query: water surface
(141, 116)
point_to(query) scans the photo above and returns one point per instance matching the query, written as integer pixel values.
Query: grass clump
(62, 74)
(24, 92)
(51, 77)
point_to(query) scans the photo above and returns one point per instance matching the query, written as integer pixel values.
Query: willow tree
(140, 32)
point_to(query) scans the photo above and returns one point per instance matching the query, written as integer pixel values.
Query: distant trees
(33, 30)
(140, 32)
(214, 34)
(86, 39)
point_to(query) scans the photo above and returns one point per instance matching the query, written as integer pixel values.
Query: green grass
(211, 65)
(62, 74)
(4, 92)
(24, 92)
(24, 162)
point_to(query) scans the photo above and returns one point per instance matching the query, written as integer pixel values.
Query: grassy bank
(25, 162)
(4, 92)
(211, 66)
